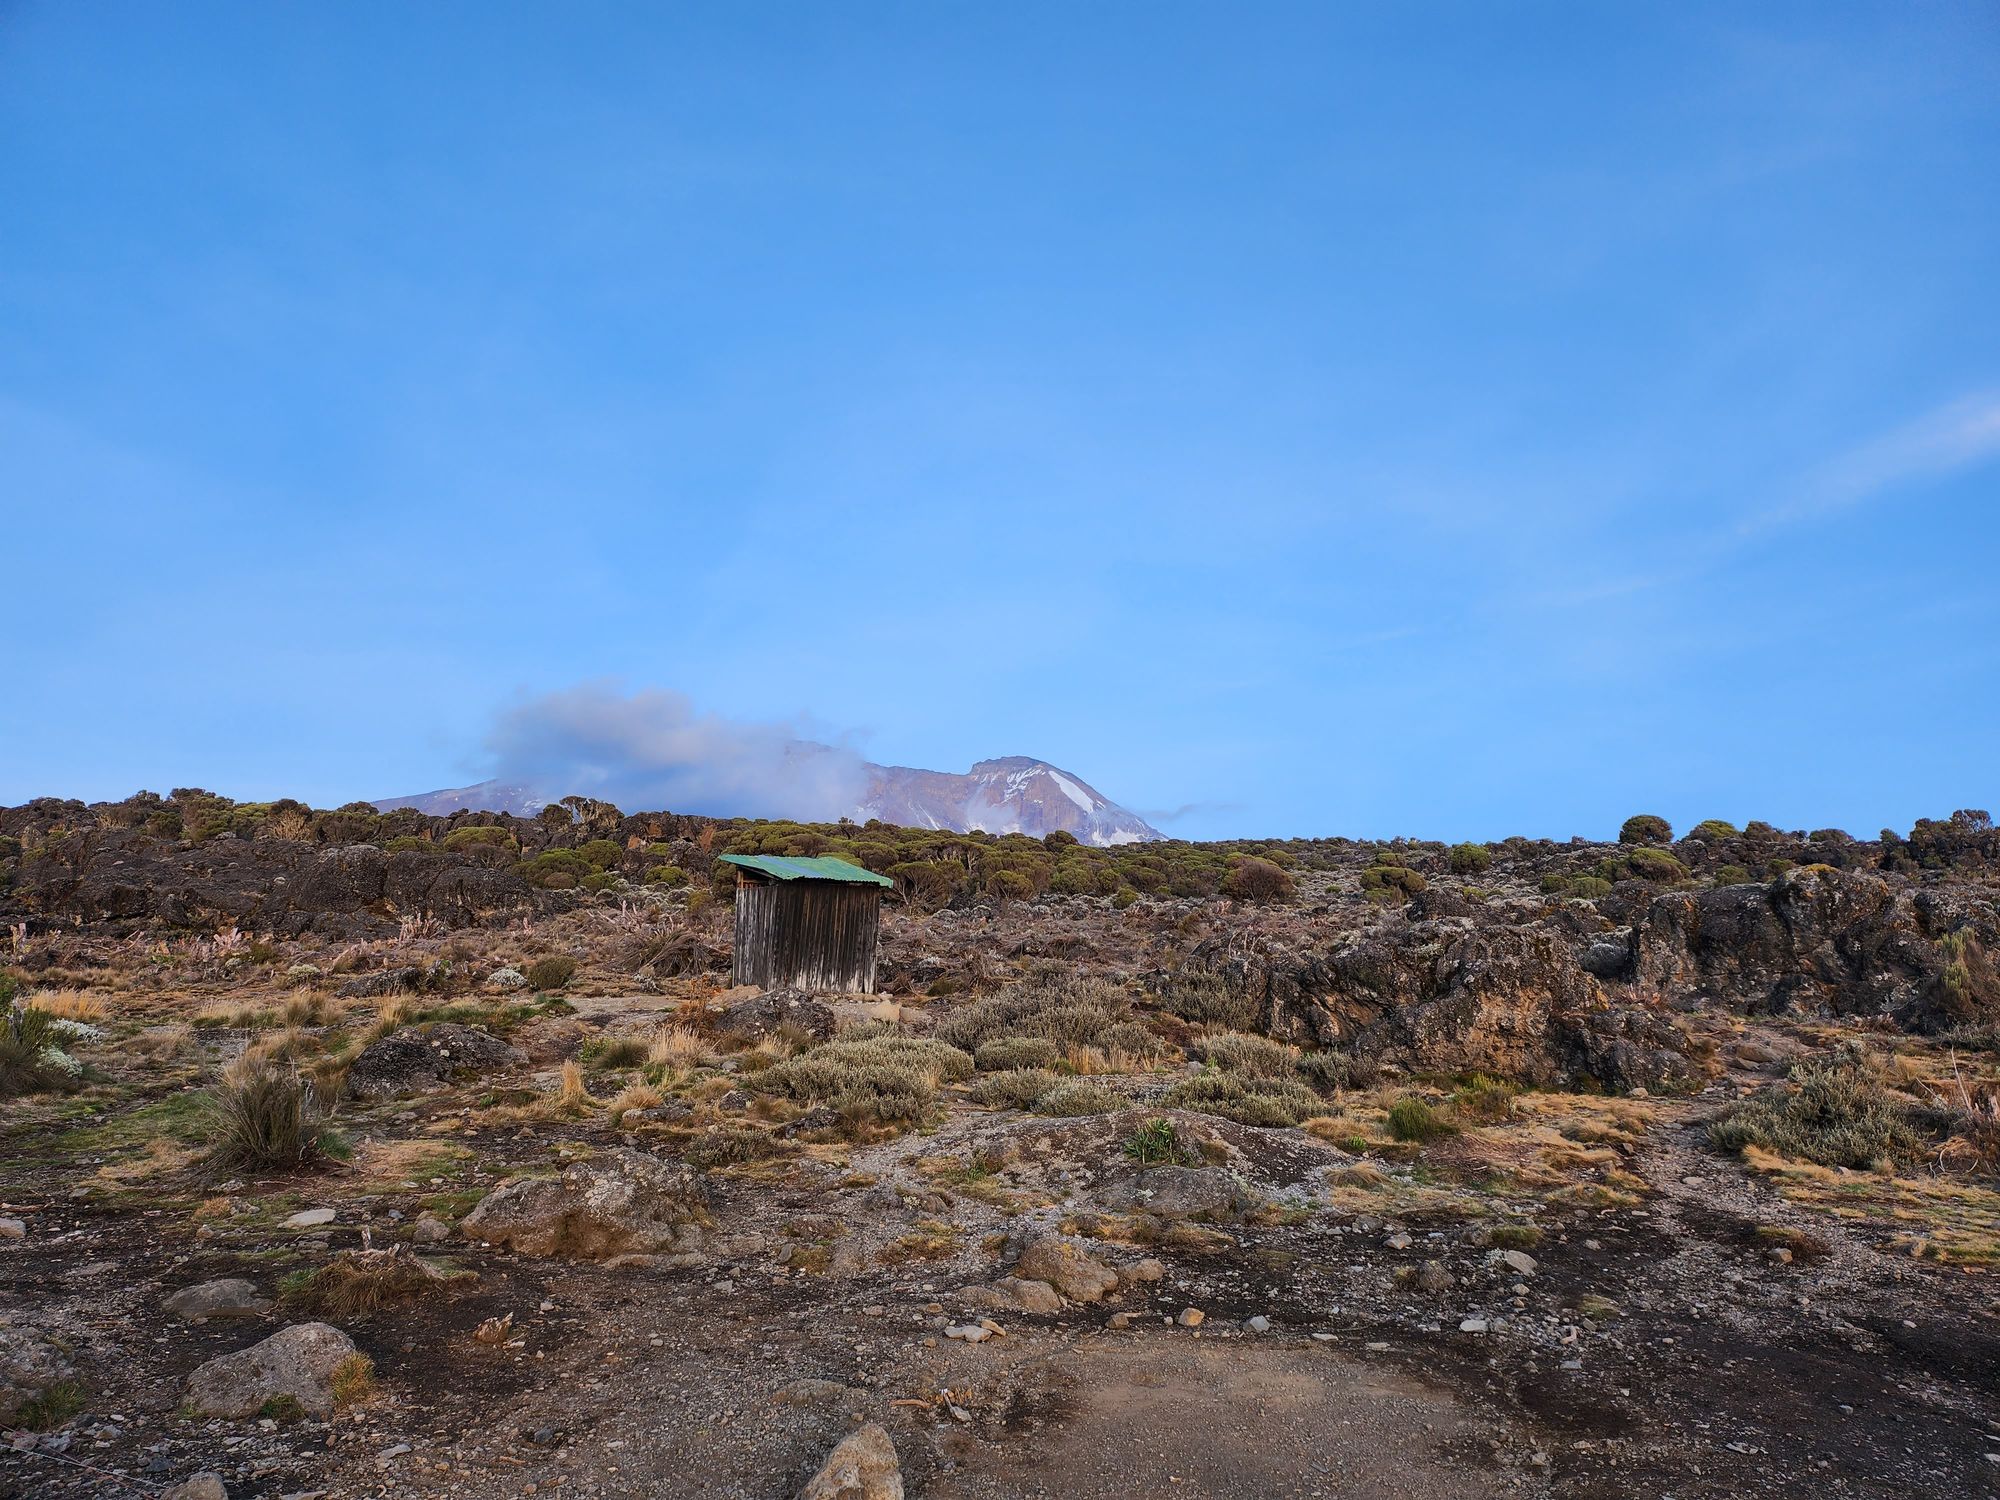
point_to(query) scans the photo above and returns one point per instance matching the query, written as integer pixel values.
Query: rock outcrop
(1452, 997)
(620, 1202)
(417, 1059)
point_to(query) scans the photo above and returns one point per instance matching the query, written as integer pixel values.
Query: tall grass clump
(264, 1116)
(1414, 1119)
(34, 1056)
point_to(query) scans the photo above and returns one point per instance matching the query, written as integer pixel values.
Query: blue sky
(1446, 420)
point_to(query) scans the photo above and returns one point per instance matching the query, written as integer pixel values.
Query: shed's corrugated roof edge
(789, 867)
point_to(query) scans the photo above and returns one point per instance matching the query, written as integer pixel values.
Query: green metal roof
(785, 867)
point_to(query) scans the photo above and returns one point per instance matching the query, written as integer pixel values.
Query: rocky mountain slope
(1014, 794)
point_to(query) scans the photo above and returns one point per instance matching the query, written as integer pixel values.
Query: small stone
(969, 1333)
(429, 1229)
(309, 1218)
(1259, 1324)
(1376, 1348)
(1472, 1325)
(1119, 1320)
(1781, 1255)
(12, 1229)
(1191, 1317)
(1432, 1279)
(199, 1487)
(1518, 1261)
(1399, 1241)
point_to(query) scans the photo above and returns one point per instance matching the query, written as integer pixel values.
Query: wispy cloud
(652, 749)
(1187, 810)
(1957, 436)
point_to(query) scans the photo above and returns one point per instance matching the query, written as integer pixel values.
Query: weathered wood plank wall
(811, 934)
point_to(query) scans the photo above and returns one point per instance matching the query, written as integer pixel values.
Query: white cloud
(1954, 437)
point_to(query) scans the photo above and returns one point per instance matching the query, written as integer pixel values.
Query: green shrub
(1656, 864)
(1130, 1039)
(881, 1079)
(1834, 1113)
(670, 876)
(1248, 1101)
(1070, 1012)
(1004, 1052)
(604, 880)
(1485, 1099)
(1014, 1088)
(1733, 875)
(1252, 879)
(1206, 998)
(468, 838)
(1077, 1096)
(1389, 879)
(1123, 897)
(1470, 859)
(409, 843)
(51, 1407)
(1589, 887)
(601, 854)
(1646, 828)
(1413, 1119)
(551, 972)
(555, 869)
(1339, 1070)
(1555, 883)
(1713, 829)
(1250, 1055)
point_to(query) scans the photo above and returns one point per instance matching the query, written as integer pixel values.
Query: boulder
(1016, 1295)
(863, 1466)
(198, 1487)
(229, 1297)
(760, 1014)
(1067, 1266)
(296, 1362)
(421, 1058)
(619, 1202)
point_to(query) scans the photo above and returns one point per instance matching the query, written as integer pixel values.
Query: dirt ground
(1656, 1348)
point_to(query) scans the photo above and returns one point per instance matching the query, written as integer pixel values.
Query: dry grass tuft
(353, 1380)
(679, 1049)
(633, 1096)
(303, 1008)
(356, 1282)
(71, 1005)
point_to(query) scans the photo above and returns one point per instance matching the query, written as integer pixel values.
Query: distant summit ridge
(1013, 794)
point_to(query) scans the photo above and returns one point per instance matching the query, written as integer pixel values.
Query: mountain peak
(1009, 794)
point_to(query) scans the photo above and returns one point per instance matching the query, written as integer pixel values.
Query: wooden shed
(809, 924)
